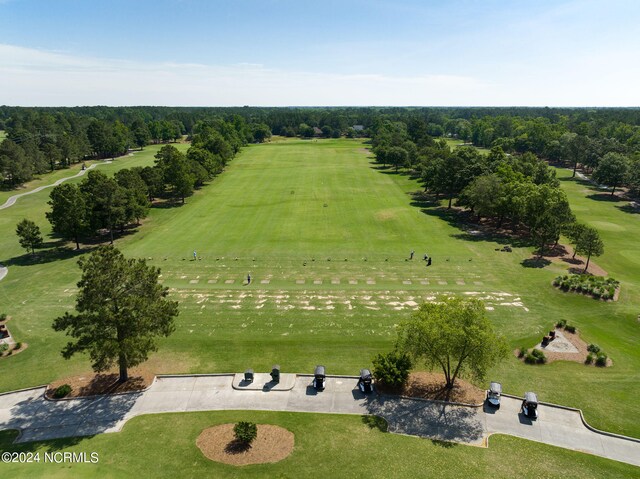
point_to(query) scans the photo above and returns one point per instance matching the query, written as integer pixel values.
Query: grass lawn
(325, 235)
(165, 446)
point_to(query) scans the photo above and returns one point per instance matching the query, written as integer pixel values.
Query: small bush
(593, 348)
(589, 359)
(392, 369)
(522, 352)
(3, 316)
(530, 359)
(601, 359)
(570, 329)
(539, 356)
(62, 391)
(3, 348)
(561, 324)
(245, 432)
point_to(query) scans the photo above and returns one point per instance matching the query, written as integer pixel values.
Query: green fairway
(325, 236)
(165, 446)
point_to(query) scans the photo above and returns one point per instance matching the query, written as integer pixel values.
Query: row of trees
(515, 189)
(40, 141)
(100, 203)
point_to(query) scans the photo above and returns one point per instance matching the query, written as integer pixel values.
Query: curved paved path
(12, 199)
(40, 419)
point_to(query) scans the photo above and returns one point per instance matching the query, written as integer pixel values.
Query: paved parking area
(40, 419)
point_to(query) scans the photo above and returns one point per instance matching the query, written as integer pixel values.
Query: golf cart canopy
(365, 374)
(531, 398)
(319, 373)
(495, 388)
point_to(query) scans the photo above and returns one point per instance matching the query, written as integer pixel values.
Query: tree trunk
(586, 267)
(575, 166)
(450, 199)
(77, 241)
(124, 374)
(574, 253)
(613, 190)
(111, 234)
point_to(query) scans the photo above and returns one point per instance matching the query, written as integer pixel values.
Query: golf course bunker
(272, 444)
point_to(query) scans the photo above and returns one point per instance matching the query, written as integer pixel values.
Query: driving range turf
(325, 234)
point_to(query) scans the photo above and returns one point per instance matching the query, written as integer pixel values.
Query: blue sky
(286, 52)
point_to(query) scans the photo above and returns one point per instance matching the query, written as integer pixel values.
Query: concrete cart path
(40, 419)
(12, 199)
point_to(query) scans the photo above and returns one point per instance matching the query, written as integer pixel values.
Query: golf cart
(365, 382)
(530, 405)
(319, 378)
(493, 394)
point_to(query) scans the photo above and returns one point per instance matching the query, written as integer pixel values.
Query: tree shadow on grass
(167, 204)
(606, 197)
(8, 444)
(473, 231)
(376, 422)
(443, 444)
(535, 262)
(631, 208)
(42, 257)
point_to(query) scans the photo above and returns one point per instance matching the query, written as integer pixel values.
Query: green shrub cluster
(570, 329)
(597, 286)
(536, 356)
(593, 348)
(62, 391)
(245, 432)
(392, 369)
(3, 316)
(601, 359)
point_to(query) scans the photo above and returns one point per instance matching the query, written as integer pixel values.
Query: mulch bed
(92, 384)
(427, 385)
(272, 444)
(578, 357)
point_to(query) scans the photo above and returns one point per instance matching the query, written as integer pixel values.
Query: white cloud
(36, 77)
(31, 77)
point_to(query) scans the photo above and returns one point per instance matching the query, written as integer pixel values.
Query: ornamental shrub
(392, 369)
(245, 432)
(593, 348)
(601, 359)
(62, 391)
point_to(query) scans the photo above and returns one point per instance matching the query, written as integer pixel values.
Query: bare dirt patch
(273, 444)
(578, 262)
(92, 384)
(426, 385)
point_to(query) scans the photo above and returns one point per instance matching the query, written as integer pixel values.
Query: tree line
(43, 139)
(103, 204)
(515, 190)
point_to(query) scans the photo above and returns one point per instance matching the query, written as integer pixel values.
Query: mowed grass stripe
(271, 201)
